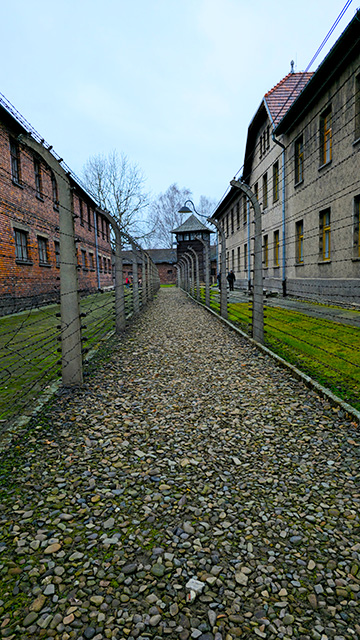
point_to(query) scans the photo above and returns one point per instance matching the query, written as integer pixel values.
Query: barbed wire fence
(46, 347)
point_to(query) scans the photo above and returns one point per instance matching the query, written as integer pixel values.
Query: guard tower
(186, 236)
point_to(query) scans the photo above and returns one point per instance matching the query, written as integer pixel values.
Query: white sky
(173, 84)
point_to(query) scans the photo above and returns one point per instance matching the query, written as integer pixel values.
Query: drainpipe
(283, 198)
(283, 213)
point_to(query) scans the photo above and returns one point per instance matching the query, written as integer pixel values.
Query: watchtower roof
(191, 224)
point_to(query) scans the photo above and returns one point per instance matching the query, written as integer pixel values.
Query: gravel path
(191, 489)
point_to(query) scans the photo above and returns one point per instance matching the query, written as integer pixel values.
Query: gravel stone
(190, 488)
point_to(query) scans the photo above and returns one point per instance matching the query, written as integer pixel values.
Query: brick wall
(28, 209)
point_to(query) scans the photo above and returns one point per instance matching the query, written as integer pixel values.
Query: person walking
(231, 279)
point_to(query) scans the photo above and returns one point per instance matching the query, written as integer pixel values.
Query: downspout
(283, 201)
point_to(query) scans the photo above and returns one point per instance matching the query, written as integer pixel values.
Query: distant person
(231, 279)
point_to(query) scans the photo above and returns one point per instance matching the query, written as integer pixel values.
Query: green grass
(29, 360)
(327, 351)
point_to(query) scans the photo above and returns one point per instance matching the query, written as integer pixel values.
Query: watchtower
(186, 236)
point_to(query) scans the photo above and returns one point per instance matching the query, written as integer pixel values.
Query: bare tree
(118, 186)
(164, 213)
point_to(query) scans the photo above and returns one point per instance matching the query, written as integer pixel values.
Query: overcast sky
(173, 84)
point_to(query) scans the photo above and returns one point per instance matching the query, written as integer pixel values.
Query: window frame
(22, 250)
(325, 235)
(299, 234)
(15, 162)
(276, 248)
(43, 251)
(266, 251)
(326, 135)
(38, 178)
(54, 191)
(57, 253)
(265, 194)
(299, 160)
(357, 108)
(356, 228)
(276, 182)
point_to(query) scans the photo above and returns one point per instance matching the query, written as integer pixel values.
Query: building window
(227, 224)
(232, 259)
(245, 257)
(81, 211)
(268, 137)
(100, 264)
(299, 255)
(244, 210)
(89, 217)
(265, 191)
(37, 173)
(275, 182)
(227, 261)
(105, 265)
(43, 248)
(238, 259)
(256, 190)
(54, 190)
(109, 266)
(92, 262)
(299, 160)
(21, 245)
(238, 215)
(357, 107)
(57, 253)
(97, 224)
(15, 162)
(107, 231)
(84, 260)
(325, 235)
(232, 220)
(356, 227)
(325, 137)
(266, 252)
(276, 248)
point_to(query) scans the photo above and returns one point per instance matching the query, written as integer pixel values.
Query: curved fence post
(207, 270)
(223, 291)
(258, 299)
(191, 273)
(71, 361)
(120, 320)
(197, 273)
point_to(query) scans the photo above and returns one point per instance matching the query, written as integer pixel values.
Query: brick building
(29, 225)
(164, 259)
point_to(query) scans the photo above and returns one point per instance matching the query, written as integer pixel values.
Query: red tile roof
(280, 98)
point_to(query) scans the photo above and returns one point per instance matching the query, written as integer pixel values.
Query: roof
(344, 50)
(276, 102)
(191, 224)
(280, 98)
(159, 256)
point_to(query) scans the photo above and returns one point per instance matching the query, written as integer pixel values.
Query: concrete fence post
(206, 269)
(258, 295)
(197, 273)
(223, 281)
(72, 366)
